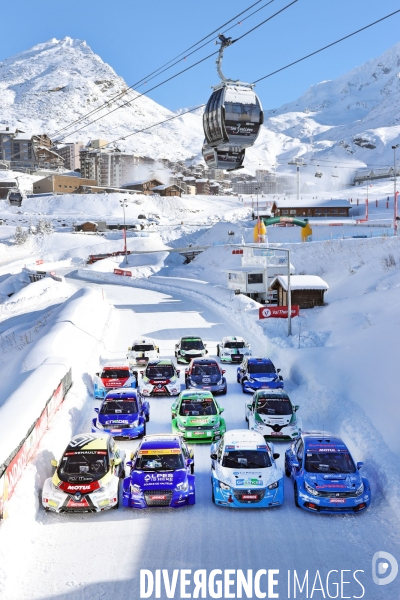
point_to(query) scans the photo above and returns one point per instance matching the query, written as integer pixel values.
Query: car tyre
(192, 469)
(243, 390)
(287, 472)
(147, 417)
(224, 391)
(218, 350)
(144, 431)
(296, 496)
(212, 494)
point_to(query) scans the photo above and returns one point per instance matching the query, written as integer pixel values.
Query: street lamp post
(258, 215)
(395, 191)
(124, 204)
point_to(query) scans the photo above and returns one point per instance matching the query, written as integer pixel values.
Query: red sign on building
(277, 312)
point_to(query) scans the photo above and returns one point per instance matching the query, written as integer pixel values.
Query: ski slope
(77, 557)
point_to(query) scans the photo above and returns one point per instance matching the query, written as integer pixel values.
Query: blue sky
(137, 37)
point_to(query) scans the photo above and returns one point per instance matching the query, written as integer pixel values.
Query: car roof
(143, 341)
(204, 361)
(232, 339)
(161, 441)
(322, 440)
(254, 360)
(196, 394)
(272, 393)
(116, 365)
(88, 441)
(190, 337)
(117, 395)
(160, 362)
(244, 438)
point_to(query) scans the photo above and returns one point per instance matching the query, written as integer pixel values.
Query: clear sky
(136, 37)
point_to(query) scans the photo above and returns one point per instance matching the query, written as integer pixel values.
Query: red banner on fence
(122, 272)
(277, 312)
(40, 261)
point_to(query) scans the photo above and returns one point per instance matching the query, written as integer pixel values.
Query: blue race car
(161, 474)
(123, 414)
(258, 374)
(326, 479)
(243, 471)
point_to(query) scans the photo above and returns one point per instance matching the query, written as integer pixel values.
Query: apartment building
(110, 168)
(70, 154)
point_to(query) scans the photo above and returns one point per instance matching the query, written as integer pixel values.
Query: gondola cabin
(15, 197)
(227, 159)
(233, 117)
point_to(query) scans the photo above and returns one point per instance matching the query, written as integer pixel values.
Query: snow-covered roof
(140, 182)
(322, 202)
(201, 180)
(164, 187)
(240, 94)
(301, 282)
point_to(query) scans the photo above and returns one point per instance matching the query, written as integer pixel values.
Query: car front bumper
(333, 505)
(157, 497)
(60, 502)
(214, 388)
(287, 433)
(233, 358)
(231, 498)
(128, 433)
(199, 436)
(252, 386)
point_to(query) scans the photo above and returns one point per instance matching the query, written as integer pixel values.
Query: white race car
(87, 477)
(161, 378)
(272, 414)
(141, 352)
(233, 349)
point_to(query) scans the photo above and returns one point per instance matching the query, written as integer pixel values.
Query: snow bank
(73, 332)
(34, 294)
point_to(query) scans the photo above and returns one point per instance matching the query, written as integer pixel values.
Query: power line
(158, 71)
(328, 46)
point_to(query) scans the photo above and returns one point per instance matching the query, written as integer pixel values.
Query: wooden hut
(307, 291)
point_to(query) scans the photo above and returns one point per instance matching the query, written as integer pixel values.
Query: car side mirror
(178, 371)
(296, 464)
(221, 410)
(276, 455)
(189, 462)
(213, 456)
(359, 465)
(278, 370)
(96, 410)
(98, 374)
(296, 408)
(223, 371)
(53, 463)
(128, 463)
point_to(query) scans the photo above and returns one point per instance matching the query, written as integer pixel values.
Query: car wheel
(243, 388)
(144, 430)
(287, 472)
(217, 349)
(122, 474)
(192, 469)
(224, 391)
(296, 496)
(147, 417)
(212, 494)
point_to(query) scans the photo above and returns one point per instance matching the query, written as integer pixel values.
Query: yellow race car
(87, 477)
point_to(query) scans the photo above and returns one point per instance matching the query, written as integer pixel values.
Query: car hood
(206, 379)
(117, 419)
(158, 480)
(114, 383)
(189, 352)
(331, 482)
(263, 376)
(273, 419)
(248, 478)
(197, 421)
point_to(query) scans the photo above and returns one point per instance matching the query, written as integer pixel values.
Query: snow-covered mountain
(352, 121)
(54, 83)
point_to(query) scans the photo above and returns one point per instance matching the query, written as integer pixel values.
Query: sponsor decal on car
(160, 451)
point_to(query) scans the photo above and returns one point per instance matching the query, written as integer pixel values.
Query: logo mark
(380, 568)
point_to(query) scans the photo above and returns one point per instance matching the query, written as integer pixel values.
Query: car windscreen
(161, 372)
(234, 345)
(246, 459)
(200, 370)
(192, 345)
(159, 461)
(196, 408)
(89, 463)
(274, 407)
(116, 407)
(115, 374)
(143, 347)
(261, 368)
(329, 462)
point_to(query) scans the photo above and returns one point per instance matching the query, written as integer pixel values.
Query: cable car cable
(155, 73)
(328, 46)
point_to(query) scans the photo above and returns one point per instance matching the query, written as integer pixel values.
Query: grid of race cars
(244, 472)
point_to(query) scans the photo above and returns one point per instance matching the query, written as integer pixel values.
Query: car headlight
(223, 486)
(310, 489)
(135, 423)
(183, 352)
(135, 489)
(360, 490)
(216, 426)
(183, 486)
(273, 486)
(220, 382)
(258, 425)
(99, 425)
(251, 380)
(180, 426)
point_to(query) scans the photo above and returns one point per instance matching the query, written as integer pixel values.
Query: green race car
(197, 416)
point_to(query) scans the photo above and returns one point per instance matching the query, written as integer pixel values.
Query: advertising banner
(277, 312)
(122, 272)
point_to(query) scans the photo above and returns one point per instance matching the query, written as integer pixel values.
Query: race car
(243, 471)
(141, 352)
(204, 373)
(113, 376)
(197, 416)
(272, 414)
(326, 478)
(189, 347)
(87, 477)
(233, 349)
(160, 378)
(258, 373)
(161, 473)
(123, 415)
